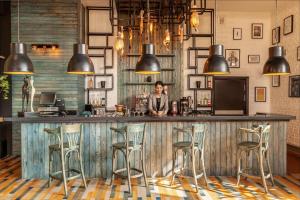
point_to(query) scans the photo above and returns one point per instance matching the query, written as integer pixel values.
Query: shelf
(157, 55)
(97, 89)
(201, 35)
(198, 48)
(152, 83)
(200, 88)
(203, 106)
(163, 69)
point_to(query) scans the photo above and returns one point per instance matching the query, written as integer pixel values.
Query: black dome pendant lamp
(80, 63)
(216, 64)
(148, 63)
(276, 64)
(18, 63)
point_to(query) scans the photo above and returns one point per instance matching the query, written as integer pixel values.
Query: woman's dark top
(157, 104)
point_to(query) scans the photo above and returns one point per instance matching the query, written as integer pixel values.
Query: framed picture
(237, 33)
(288, 25)
(298, 53)
(276, 81)
(253, 58)
(257, 31)
(233, 57)
(260, 94)
(294, 86)
(276, 35)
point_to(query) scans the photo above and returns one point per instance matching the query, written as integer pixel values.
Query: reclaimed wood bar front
(220, 143)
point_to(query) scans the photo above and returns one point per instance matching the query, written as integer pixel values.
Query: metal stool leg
(173, 166)
(128, 171)
(269, 167)
(68, 157)
(143, 166)
(50, 167)
(113, 166)
(203, 168)
(81, 169)
(64, 172)
(261, 166)
(239, 167)
(194, 169)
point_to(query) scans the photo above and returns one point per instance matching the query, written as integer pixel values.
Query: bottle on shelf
(90, 83)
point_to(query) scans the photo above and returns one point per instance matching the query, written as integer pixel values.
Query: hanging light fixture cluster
(276, 63)
(167, 39)
(119, 42)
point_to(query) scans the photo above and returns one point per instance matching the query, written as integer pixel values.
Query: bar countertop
(178, 118)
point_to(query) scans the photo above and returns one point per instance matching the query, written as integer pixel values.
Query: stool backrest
(198, 134)
(135, 133)
(55, 132)
(264, 134)
(72, 133)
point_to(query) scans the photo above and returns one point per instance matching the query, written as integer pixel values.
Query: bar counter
(220, 143)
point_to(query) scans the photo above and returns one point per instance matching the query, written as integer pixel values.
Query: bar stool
(70, 140)
(196, 144)
(134, 140)
(260, 149)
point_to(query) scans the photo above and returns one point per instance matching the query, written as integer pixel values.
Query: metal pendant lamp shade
(148, 63)
(216, 63)
(18, 62)
(80, 63)
(276, 64)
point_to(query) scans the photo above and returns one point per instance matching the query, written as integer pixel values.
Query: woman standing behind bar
(158, 101)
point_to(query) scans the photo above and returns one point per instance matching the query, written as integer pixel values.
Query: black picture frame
(294, 86)
(298, 53)
(250, 57)
(237, 34)
(288, 25)
(232, 62)
(276, 35)
(257, 30)
(264, 97)
(276, 81)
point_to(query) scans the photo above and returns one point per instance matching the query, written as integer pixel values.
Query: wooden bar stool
(70, 139)
(134, 140)
(260, 148)
(195, 144)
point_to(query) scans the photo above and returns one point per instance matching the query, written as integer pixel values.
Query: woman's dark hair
(159, 83)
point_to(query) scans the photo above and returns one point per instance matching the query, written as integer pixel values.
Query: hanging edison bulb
(151, 27)
(119, 43)
(130, 36)
(141, 22)
(180, 33)
(195, 19)
(167, 39)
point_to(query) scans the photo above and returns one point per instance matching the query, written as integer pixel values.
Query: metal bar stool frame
(134, 140)
(197, 134)
(260, 148)
(70, 139)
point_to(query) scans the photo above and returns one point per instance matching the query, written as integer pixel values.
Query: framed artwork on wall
(237, 33)
(288, 25)
(294, 86)
(257, 31)
(233, 57)
(276, 35)
(298, 53)
(276, 81)
(253, 58)
(260, 94)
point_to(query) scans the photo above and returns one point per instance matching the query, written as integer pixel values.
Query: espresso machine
(186, 105)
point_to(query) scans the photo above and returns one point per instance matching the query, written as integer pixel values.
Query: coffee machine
(186, 105)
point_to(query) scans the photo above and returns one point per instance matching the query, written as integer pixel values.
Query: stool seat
(250, 145)
(184, 144)
(56, 147)
(122, 145)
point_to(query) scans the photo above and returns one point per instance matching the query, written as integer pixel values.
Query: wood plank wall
(47, 22)
(220, 148)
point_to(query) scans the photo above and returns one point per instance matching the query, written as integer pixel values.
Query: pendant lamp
(276, 64)
(148, 63)
(216, 64)
(18, 62)
(80, 63)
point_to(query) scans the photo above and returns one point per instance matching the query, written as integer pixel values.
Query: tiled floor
(13, 187)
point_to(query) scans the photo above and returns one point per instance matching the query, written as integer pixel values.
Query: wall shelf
(152, 83)
(163, 69)
(157, 55)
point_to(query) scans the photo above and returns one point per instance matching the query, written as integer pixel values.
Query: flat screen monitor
(47, 98)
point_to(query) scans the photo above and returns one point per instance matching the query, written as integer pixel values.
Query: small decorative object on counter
(174, 109)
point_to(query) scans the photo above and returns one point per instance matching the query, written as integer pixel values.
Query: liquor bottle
(91, 83)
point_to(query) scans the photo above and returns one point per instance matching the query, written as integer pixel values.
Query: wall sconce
(44, 47)
(194, 19)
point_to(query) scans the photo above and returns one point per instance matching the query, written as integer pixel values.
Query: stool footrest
(58, 174)
(254, 176)
(118, 171)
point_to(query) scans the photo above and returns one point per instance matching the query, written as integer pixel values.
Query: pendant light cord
(276, 19)
(215, 38)
(18, 22)
(148, 24)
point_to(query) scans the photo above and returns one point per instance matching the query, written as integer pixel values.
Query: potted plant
(4, 87)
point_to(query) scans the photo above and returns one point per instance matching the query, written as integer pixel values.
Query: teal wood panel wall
(47, 22)
(220, 148)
